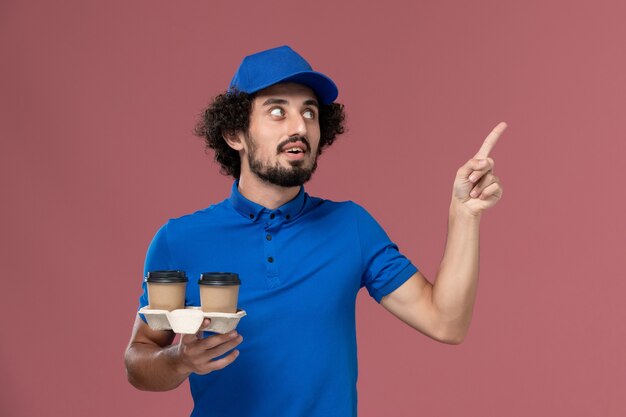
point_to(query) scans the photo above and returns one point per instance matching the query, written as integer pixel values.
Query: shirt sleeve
(158, 258)
(384, 267)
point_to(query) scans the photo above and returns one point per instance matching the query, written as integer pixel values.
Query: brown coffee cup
(166, 289)
(219, 291)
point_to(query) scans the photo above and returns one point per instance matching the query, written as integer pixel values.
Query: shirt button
(288, 216)
(252, 216)
(268, 237)
(270, 259)
(272, 216)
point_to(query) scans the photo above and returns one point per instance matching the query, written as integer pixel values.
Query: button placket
(270, 256)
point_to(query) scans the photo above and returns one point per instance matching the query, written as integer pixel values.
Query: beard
(296, 175)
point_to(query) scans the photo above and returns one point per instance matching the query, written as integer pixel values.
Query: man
(301, 259)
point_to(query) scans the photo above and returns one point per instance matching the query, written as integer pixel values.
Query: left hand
(476, 188)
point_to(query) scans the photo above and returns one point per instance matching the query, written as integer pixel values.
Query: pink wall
(97, 107)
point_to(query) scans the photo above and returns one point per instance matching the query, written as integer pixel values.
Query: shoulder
(346, 205)
(346, 209)
(215, 213)
(351, 208)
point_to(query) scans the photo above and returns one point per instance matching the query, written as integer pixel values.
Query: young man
(301, 259)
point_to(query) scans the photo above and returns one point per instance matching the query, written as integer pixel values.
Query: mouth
(294, 155)
(294, 151)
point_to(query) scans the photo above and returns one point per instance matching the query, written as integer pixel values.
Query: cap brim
(323, 86)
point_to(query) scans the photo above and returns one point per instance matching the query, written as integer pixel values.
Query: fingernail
(472, 178)
(232, 334)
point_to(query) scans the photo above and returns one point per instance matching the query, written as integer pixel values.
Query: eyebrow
(309, 102)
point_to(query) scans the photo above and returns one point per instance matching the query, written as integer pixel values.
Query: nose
(297, 125)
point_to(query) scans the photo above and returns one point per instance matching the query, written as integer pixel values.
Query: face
(281, 145)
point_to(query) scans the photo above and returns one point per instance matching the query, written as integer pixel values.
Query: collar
(252, 211)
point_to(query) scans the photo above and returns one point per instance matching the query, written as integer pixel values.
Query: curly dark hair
(230, 112)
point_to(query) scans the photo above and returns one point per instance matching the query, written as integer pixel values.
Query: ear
(234, 139)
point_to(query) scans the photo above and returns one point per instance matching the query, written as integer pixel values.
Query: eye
(309, 114)
(277, 111)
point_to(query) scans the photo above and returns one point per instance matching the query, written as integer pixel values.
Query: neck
(268, 195)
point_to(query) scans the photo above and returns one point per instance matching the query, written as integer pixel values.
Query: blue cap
(278, 65)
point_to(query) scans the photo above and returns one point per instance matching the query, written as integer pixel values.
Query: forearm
(152, 368)
(454, 290)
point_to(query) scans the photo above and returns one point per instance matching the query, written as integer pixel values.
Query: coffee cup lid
(219, 278)
(166, 276)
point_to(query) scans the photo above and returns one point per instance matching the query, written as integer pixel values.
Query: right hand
(196, 354)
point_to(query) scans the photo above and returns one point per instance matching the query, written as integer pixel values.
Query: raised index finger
(490, 141)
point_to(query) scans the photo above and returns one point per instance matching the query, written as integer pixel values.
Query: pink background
(97, 106)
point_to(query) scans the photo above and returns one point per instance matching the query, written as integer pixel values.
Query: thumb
(205, 324)
(190, 338)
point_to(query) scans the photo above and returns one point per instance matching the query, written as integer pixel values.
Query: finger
(490, 141)
(482, 167)
(223, 362)
(492, 190)
(223, 348)
(218, 339)
(486, 181)
(474, 169)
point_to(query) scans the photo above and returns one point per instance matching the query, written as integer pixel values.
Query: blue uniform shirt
(301, 267)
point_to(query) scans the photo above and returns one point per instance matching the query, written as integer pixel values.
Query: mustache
(294, 139)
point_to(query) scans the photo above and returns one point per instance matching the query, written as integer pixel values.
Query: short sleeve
(158, 258)
(384, 267)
